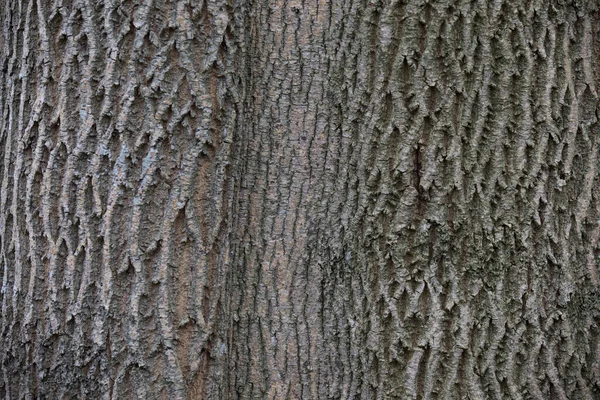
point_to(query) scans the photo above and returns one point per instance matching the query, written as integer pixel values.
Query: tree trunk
(358, 199)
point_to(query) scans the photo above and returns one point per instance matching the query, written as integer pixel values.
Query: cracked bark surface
(358, 199)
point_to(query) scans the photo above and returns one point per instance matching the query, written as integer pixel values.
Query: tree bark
(301, 199)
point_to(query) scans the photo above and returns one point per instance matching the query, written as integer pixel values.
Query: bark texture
(304, 199)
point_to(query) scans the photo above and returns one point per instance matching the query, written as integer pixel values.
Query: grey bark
(358, 199)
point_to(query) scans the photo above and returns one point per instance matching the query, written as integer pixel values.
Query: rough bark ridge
(117, 125)
(299, 199)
